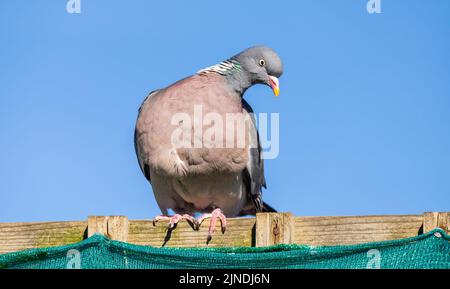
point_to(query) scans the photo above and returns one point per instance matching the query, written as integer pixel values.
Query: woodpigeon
(193, 170)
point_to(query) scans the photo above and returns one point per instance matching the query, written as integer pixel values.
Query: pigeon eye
(262, 62)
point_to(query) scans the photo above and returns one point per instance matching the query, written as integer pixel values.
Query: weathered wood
(118, 227)
(355, 230)
(265, 229)
(114, 227)
(433, 220)
(97, 224)
(274, 228)
(239, 232)
(21, 236)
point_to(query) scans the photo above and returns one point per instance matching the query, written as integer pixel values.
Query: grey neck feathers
(234, 73)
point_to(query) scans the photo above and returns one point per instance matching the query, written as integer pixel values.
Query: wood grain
(433, 220)
(274, 229)
(265, 229)
(354, 230)
(20, 236)
(239, 232)
(113, 227)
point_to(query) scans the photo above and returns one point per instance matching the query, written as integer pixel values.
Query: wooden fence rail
(266, 229)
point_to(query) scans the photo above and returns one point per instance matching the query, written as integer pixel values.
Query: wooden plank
(446, 221)
(118, 228)
(265, 229)
(239, 232)
(21, 236)
(274, 228)
(97, 224)
(433, 220)
(354, 230)
(113, 227)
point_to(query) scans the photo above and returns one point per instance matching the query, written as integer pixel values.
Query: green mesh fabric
(431, 250)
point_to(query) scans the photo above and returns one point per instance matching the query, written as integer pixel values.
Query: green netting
(431, 250)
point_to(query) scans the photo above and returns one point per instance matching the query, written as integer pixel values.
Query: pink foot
(173, 220)
(216, 214)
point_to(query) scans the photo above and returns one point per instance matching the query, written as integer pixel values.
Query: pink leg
(173, 220)
(216, 214)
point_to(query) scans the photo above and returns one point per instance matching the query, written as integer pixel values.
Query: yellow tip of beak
(276, 91)
(273, 82)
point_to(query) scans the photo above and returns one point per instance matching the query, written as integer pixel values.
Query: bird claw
(216, 214)
(173, 220)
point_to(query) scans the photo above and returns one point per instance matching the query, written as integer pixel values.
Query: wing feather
(141, 160)
(253, 174)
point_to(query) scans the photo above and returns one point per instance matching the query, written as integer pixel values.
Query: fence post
(274, 228)
(432, 220)
(113, 227)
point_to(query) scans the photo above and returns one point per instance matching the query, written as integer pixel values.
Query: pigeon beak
(273, 82)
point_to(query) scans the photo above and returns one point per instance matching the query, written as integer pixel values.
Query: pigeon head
(259, 64)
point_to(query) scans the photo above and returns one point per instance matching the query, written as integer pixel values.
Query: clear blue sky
(364, 105)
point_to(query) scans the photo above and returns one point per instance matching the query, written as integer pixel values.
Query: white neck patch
(222, 68)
